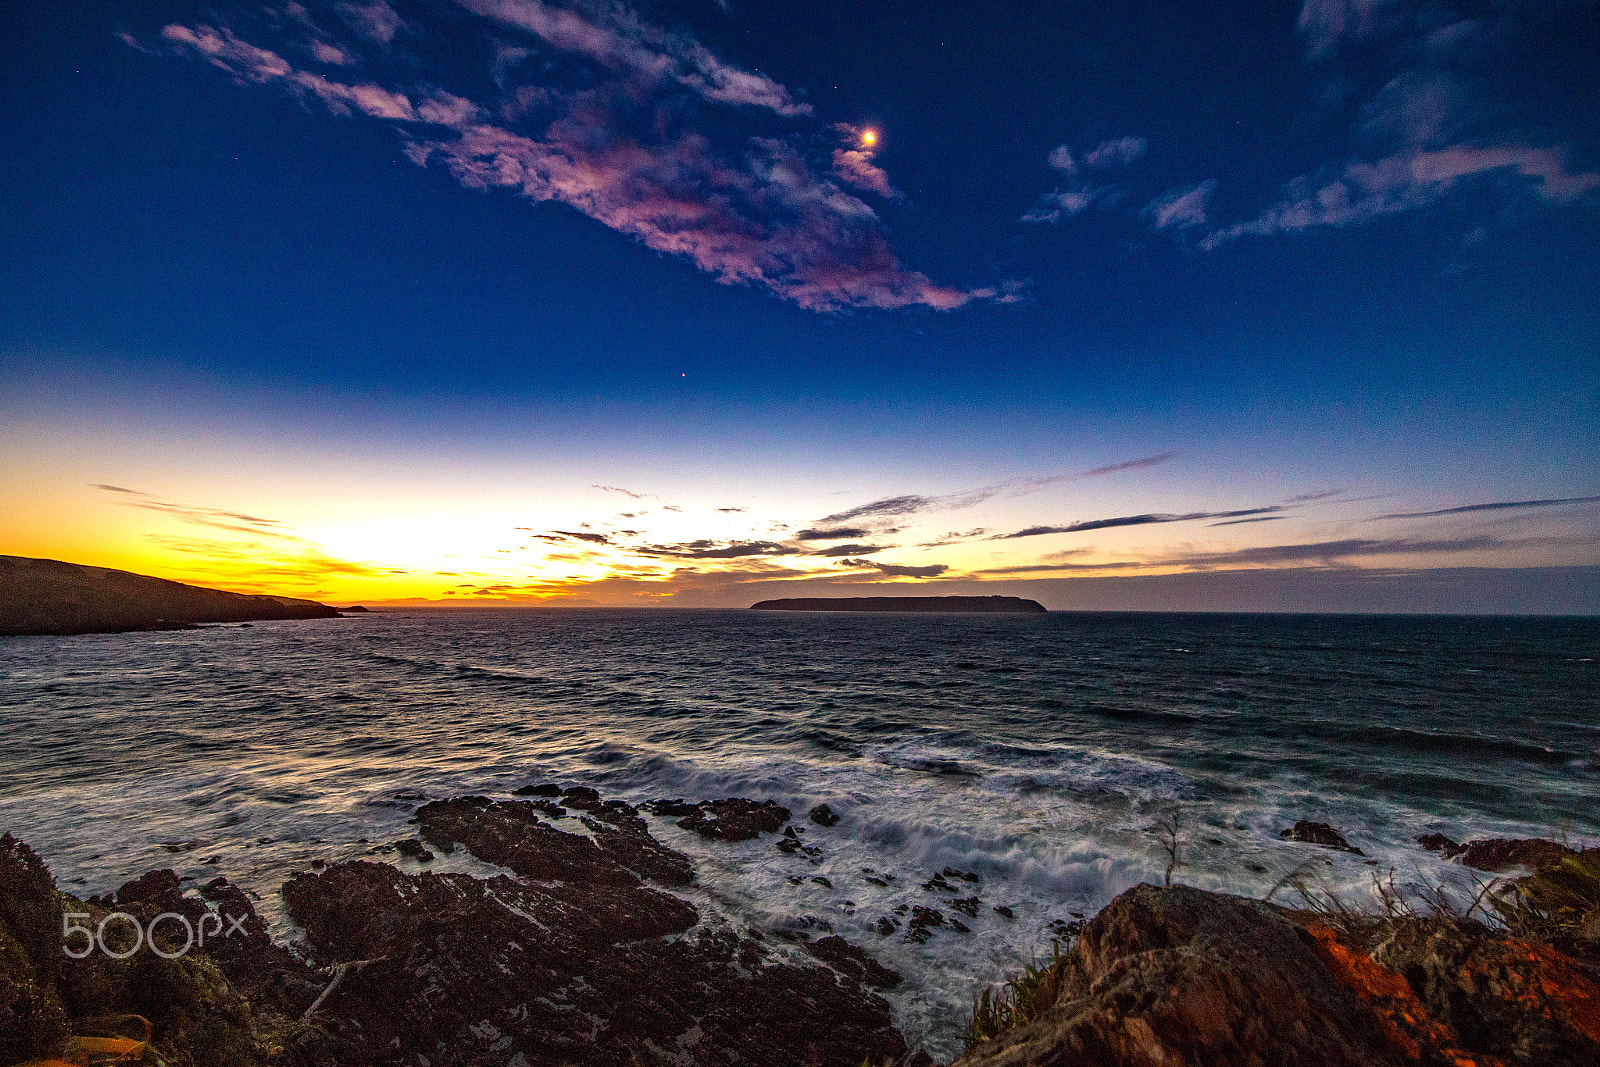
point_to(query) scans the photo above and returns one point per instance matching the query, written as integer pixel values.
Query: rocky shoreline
(581, 953)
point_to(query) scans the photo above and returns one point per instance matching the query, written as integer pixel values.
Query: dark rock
(969, 905)
(960, 927)
(674, 809)
(547, 789)
(788, 831)
(965, 876)
(413, 848)
(510, 834)
(937, 882)
(1440, 843)
(1001, 909)
(822, 882)
(875, 880)
(578, 795)
(823, 815)
(853, 962)
(788, 845)
(921, 919)
(475, 972)
(1498, 854)
(886, 926)
(795, 879)
(735, 819)
(1318, 833)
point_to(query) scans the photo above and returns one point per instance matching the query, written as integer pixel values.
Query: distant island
(979, 605)
(48, 597)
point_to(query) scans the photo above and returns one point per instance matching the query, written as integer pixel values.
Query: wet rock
(937, 882)
(823, 815)
(965, 876)
(918, 929)
(674, 809)
(875, 880)
(546, 789)
(795, 879)
(1440, 843)
(1318, 833)
(467, 972)
(853, 961)
(1001, 909)
(968, 905)
(823, 882)
(886, 926)
(735, 819)
(1498, 854)
(959, 927)
(409, 847)
(510, 834)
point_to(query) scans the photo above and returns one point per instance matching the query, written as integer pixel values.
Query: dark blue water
(1037, 751)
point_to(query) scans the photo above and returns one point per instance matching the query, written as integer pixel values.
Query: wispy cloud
(1131, 520)
(836, 534)
(599, 108)
(1503, 505)
(1426, 135)
(708, 549)
(852, 550)
(892, 570)
(1183, 208)
(217, 518)
(1078, 193)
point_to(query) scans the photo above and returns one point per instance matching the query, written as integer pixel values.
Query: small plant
(1019, 1000)
(1169, 831)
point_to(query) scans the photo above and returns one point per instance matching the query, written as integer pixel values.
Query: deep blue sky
(1343, 245)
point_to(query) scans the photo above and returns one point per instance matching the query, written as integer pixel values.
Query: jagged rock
(546, 789)
(969, 905)
(734, 819)
(1181, 976)
(509, 833)
(853, 961)
(1499, 854)
(823, 815)
(965, 876)
(468, 972)
(1318, 833)
(1001, 909)
(1441, 844)
(409, 847)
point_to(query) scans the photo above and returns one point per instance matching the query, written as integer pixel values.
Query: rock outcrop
(580, 956)
(45, 596)
(1181, 976)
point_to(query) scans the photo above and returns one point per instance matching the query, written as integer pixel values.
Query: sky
(1199, 306)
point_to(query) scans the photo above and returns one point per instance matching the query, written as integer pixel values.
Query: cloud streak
(1131, 520)
(1504, 505)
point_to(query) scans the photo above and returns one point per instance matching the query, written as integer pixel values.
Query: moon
(869, 137)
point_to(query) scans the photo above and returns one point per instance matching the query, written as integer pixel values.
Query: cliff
(45, 596)
(984, 605)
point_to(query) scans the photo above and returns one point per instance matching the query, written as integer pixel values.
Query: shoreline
(606, 857)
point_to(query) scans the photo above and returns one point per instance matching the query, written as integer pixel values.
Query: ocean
(1037, 752)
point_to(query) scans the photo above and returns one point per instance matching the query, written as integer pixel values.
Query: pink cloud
(756, 213)
(1182, 208)
(854, 166)
(625, 42)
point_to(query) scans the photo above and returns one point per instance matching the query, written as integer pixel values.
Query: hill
(46, 596)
